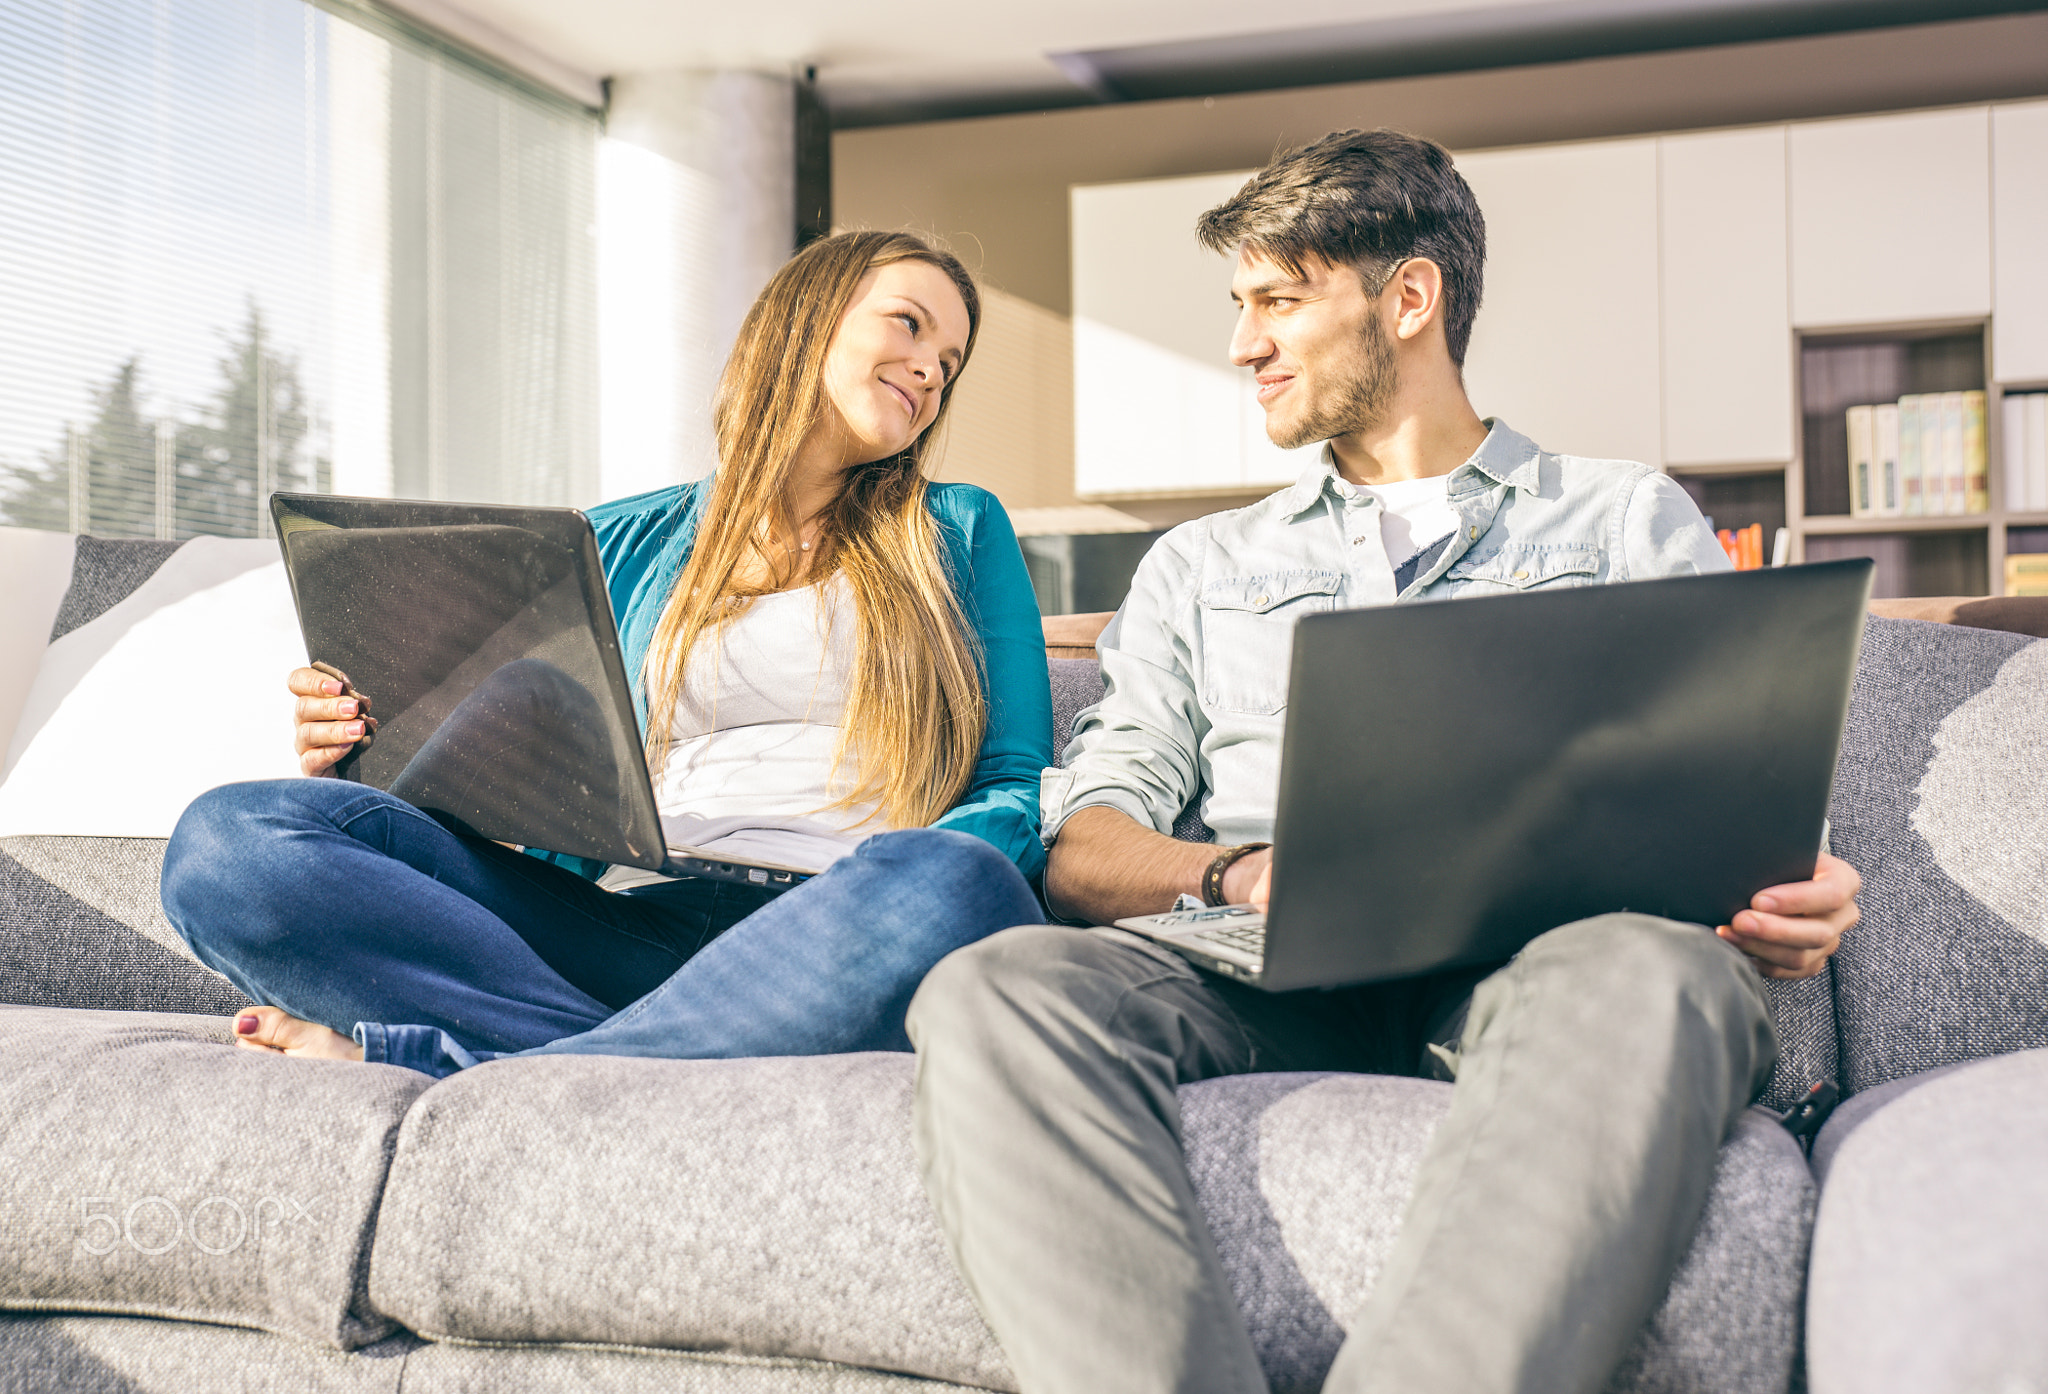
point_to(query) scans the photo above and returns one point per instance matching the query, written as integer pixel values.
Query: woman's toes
(273, 1029)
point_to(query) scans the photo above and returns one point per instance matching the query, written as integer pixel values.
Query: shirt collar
(1506, 456)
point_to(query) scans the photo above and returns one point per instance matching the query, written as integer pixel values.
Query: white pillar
(359, 259)
(696, 209)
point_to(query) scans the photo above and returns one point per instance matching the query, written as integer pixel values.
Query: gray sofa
(178, 1213)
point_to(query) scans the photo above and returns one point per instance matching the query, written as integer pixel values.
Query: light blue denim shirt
(1195, 664)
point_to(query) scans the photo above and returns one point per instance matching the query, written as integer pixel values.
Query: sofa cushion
(138, 1355)
(151, 1167)
(1305, 1180)
(1941, 802)
(1930, 1253)
(144, 1355)
(772, 1208)
(1858, 1109)
(82, 925)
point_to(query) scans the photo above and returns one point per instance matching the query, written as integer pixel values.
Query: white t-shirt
(749, 769)
(1415, 513)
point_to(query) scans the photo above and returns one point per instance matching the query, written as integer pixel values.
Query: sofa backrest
(1941, 802)
(1076, 686)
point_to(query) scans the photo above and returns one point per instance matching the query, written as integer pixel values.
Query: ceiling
(885, 64)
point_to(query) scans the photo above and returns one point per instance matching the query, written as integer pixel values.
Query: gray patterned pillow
(104, 572)
(1941, 802)
(81, 925)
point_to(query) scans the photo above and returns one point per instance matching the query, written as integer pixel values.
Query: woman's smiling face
(894, 354)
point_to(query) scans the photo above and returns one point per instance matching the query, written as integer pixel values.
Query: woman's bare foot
(274, 1030)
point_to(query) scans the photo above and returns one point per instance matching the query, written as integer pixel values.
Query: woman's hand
(331, 718)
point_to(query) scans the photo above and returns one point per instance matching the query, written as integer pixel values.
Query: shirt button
(1521, 575)
(1357, 541)
(1475, 534)
(1261, 600)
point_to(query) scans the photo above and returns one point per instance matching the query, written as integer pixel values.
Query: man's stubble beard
(1361, 402)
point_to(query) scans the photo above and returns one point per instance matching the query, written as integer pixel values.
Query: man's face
(1314, 343)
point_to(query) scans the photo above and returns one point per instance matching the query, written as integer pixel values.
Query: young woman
(838, 660)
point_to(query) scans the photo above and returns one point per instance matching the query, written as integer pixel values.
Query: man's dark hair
(1369, 200)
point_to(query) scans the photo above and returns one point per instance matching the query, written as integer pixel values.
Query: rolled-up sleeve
(1663, 534)
(1137, 750)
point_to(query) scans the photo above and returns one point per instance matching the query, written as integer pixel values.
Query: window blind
(249, 245)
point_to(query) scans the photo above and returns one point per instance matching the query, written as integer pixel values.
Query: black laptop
(483, 636)
(1460, 776)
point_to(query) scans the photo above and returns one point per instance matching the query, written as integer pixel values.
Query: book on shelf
(2018, 494)
(1933, 459)
(1951, 428)
(1884, 453)
(1921, 456)
(1862, 439)
(2032, 444)
(1976, 459)
(1744, 546)
(2027, 574)
(1912, 481)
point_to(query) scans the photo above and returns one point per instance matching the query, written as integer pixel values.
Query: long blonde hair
(915, 711)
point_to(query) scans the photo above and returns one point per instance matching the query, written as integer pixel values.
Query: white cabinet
(1727, 325)
(1640, 294)
(2019, 242)
(1891, 218)
(1565, 349)
(1158, 407)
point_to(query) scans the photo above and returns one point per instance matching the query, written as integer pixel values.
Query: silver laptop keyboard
(1245, 938)
(1223, 926)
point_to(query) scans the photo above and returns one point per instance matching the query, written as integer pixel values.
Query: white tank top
(749, 770)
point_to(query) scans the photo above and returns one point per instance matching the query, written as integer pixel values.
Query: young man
(1596, 1074)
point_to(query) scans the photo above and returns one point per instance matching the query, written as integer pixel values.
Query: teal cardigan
(644, 541)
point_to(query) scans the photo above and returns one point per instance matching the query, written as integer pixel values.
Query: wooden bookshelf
(1948, 554)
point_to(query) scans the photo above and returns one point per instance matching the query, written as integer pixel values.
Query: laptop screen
(484, 639)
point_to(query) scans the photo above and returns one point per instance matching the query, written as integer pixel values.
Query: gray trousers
(1597, 1074)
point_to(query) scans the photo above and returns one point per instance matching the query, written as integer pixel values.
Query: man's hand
(1249, 879)
(1790, 931)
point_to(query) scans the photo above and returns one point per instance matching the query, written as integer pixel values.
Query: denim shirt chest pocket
(1522, 566)
(1248, 635)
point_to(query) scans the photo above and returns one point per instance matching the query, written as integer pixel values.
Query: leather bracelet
(1212, 879)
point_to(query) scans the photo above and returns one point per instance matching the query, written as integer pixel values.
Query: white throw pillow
(35, 567)
(177, 689)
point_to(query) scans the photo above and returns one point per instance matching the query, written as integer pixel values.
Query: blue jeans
(343, 905)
